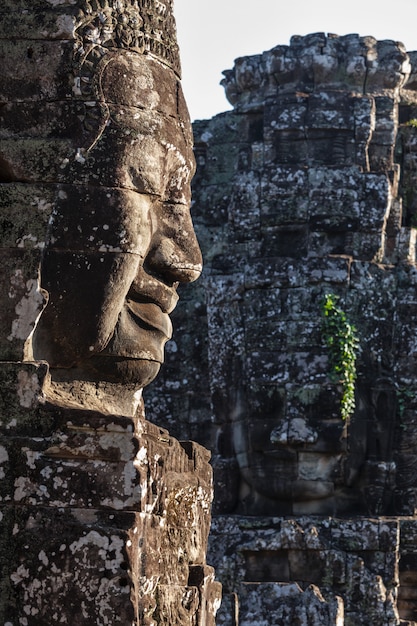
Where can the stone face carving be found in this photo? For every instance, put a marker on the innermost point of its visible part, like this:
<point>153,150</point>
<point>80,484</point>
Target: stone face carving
<point>311,181</point>
<point>321,194</point>
<point>124,277</point>
<point>105,517</point>
<point>117,161</point>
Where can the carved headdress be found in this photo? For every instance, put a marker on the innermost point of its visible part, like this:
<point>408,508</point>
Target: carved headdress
<point>103,27</point>
<point>143,26</point>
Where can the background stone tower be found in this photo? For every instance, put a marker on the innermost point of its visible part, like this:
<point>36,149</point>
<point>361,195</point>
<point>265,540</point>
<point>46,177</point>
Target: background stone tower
<point>306,190</point>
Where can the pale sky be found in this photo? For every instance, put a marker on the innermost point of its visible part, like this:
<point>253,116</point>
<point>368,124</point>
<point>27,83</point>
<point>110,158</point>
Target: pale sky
<point>212,33</point>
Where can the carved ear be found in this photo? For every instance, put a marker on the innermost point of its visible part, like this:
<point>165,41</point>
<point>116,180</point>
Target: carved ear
<point>87,88</point>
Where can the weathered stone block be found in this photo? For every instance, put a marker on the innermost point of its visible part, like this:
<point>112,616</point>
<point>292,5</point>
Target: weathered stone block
<point>77,566</point>
<point>37,160</point>
<point>25,212</point>
<point>286,603</point>
<point>244,211</point>
<point>56,120</point>
<point>48,24</point>
<point>22,301</point>
<point>290,241</point>
<point>44,70</point>
<point>284,113</point>
<point>330,110</point>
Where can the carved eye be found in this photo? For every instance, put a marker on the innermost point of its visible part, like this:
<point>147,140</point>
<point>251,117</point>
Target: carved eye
<point>177,186</point>
<point>177,183</point>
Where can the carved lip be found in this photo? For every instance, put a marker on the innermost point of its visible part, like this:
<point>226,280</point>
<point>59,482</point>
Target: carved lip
<point>152,315</point>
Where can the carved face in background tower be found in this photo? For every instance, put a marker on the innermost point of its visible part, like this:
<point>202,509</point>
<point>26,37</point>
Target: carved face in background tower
<point>121,238</point>
<point>291,455</point>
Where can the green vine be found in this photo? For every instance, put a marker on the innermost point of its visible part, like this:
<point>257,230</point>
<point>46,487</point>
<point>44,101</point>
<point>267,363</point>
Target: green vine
<point>342,342</point>
<point>412,123</point>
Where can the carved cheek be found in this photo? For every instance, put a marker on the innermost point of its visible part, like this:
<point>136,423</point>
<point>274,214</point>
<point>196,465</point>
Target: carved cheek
<point>142,166</point>
<point>101,219</point>
<point>87,291</point>
<point>97,242</point>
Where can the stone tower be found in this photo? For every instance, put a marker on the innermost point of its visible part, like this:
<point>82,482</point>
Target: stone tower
<point>306,191</point>
<point>104,516</point>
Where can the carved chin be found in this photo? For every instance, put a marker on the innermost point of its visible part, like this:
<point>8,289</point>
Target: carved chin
<point>297,491</point>
<point>133,355</point>
<point>128,372</point>
<point>135,339</point>
<point>139,372</point>
<point>278,479</point>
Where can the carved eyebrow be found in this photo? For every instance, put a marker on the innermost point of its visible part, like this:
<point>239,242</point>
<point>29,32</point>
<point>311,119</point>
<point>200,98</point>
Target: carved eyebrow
<point>157,114</point>
<point>172,148</point>
<point>181,169</point>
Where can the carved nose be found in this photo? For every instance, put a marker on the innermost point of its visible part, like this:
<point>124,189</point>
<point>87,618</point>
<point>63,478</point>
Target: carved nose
<point>293,431</point>
<point>174,254</point>
<point>173,263</point>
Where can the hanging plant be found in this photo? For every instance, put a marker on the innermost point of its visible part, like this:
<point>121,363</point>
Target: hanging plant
<point>342,342</point>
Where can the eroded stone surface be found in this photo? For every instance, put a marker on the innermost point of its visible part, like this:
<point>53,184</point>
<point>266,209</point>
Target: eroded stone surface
<point>102,516</point>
